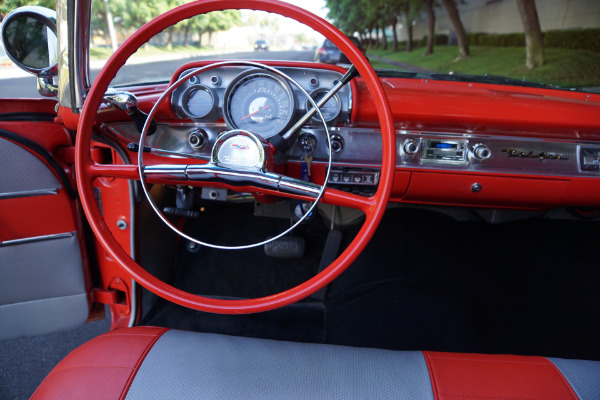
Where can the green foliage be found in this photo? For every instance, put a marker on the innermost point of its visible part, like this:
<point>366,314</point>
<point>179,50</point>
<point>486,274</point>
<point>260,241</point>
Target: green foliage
<point>581,39</point>
<point>440,40</point>
<point>499,40</point>
<point>131,15</point>
<point>563,67</point>
<point>584,39</point>
<point>7,6</point>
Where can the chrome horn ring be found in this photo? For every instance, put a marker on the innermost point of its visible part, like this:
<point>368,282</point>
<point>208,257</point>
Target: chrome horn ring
<point>218,167</point>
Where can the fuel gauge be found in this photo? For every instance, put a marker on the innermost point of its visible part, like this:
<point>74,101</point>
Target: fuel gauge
<point>199,101</point>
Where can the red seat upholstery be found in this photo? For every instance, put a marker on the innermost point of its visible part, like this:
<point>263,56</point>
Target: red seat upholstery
<point>157,363</point>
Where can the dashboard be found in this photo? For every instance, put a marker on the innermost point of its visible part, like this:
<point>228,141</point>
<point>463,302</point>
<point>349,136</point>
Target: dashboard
<point>262,101</point>
<point>518,166</point>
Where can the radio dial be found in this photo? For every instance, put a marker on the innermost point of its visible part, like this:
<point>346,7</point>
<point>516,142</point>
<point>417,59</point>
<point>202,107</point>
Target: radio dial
<point>410,147</point>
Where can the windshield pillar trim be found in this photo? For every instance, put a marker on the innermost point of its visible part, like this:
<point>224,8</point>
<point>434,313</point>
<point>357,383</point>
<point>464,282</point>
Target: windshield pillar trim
<point>73,24</point>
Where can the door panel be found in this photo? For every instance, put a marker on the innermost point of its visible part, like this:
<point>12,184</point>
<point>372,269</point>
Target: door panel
<point>42,280</point>
<point>41,286</point>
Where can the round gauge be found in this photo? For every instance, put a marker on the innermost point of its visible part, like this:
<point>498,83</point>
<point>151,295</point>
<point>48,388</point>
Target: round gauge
<point>198,101</point>
<point>260,103</point>
<point>330,110</point>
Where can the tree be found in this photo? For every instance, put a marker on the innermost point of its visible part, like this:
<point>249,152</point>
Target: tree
<point>430,26</point>
<point>461,34</point>
<point>411,10</point>
<point>534,40</point>
<point>223,20</point>
<point>7,6</point>
<point>110,25</point>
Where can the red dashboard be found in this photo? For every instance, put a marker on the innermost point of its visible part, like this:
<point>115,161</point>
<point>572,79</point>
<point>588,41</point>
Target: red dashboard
<point>458,143</point>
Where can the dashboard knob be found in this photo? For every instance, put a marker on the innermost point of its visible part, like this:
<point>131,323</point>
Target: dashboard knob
<point>481,151</point>
<point>410,147</point>
<point>197,138</point>
<point>337,143</point>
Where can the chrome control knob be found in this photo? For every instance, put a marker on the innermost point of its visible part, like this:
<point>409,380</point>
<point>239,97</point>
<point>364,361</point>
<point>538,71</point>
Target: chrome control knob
<point>410,147</point>
<point>481,151</point>
<point>337,143</point>
<point>197,138</point>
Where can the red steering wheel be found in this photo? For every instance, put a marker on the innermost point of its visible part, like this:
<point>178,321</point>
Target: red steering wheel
<point>87,170</point>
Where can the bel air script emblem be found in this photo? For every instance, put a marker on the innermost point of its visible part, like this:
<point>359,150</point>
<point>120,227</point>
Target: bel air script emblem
<point>541,156</point>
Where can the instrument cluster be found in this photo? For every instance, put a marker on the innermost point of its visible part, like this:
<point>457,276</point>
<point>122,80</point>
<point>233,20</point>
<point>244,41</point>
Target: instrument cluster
<point>259,100</point>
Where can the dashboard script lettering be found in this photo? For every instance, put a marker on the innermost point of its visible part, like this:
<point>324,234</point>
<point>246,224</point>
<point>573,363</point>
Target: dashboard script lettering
<point>531,154</point>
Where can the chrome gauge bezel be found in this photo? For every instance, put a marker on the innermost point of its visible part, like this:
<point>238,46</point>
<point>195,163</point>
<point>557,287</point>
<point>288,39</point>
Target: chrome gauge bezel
<point>338,102</point>
<point>247,76</point>
<point>185,97</point>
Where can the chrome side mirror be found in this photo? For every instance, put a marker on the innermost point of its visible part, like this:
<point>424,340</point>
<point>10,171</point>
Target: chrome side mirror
<point>30,41</point>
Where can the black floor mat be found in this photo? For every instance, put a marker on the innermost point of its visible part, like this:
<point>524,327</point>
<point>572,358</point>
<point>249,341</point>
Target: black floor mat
<point>423,282</point>
<point>300,322</point>
<point>243,273</point>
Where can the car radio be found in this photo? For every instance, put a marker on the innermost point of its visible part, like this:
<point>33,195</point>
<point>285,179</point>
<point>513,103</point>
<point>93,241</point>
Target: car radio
<point>444,151</point>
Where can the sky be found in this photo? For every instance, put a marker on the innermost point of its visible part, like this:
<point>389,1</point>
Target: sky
<point>291,27</point>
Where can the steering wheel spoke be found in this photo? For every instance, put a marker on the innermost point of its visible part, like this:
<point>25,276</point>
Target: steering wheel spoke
<point>255,181</point>
<point>340,198</point>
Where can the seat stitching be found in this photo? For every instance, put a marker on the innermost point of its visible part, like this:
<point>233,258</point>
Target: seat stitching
<point>88,366</point>
<point>473,396</point>
<point>141,359</point>
<point>431,375</point>
<point>124,334</point>
<point>564,380</point>
<point>491,361</point>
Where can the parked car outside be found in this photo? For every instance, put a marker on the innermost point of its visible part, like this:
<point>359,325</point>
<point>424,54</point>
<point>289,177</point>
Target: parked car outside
<point>261,45</point>
<point>328,52</point>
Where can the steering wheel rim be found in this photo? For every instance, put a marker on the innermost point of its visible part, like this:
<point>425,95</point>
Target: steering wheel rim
<point>374,207</point>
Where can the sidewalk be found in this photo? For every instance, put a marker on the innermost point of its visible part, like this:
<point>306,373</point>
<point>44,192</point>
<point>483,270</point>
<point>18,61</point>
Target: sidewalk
<point>9,70</point>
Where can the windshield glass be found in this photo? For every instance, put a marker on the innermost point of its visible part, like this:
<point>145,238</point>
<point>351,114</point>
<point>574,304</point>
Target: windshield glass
<point>227,35</point>
<point>501,41</point>
<point>555,44</point>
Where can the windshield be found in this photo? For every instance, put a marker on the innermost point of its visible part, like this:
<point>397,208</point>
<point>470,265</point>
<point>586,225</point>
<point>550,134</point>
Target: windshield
<point>500,41</point>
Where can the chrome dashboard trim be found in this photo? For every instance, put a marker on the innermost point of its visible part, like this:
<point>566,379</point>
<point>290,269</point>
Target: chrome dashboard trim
<point>362,148</point>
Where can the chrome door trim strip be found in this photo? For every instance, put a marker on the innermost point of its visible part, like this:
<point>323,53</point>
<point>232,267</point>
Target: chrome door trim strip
<point>34,239</point>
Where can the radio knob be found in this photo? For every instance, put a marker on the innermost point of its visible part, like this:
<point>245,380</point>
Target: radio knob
<point>481,151</point>
<point>410,147</point>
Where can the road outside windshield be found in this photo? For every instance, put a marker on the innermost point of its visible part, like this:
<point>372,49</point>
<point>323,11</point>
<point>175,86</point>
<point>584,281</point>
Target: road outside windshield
<point>518,41</point>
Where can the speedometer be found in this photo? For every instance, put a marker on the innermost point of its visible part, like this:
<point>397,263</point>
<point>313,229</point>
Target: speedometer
<point>259,102</point>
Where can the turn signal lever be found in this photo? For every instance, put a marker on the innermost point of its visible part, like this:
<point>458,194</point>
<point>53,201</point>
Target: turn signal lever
<point>126,101</point>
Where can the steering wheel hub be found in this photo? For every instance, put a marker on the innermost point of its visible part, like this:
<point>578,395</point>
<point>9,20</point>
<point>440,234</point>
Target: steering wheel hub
<point>239,149</point>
